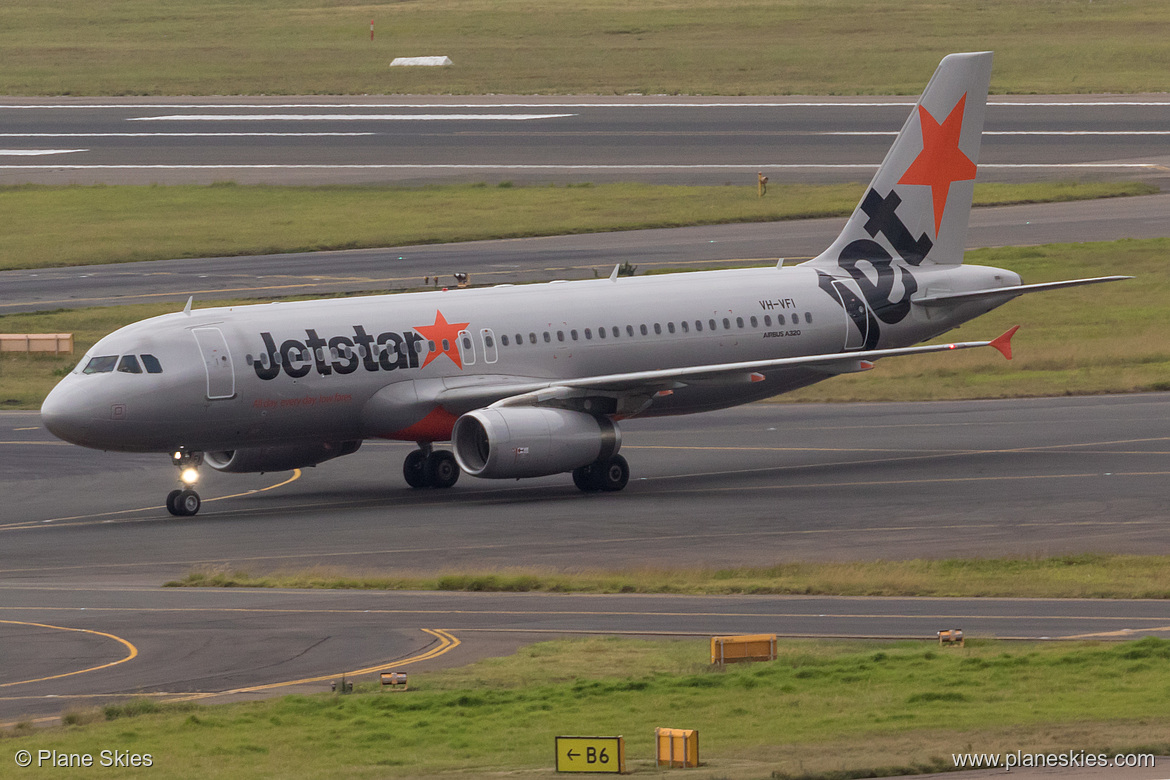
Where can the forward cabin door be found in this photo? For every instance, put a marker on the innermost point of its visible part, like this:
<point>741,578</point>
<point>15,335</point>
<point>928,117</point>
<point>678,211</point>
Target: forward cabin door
<point>217,362</point>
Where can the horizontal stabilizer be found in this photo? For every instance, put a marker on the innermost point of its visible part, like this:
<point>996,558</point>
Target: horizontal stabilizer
<point>1010,292</point>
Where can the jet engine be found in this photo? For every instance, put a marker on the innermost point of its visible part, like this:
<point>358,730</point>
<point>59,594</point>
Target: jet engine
<point>278,458</point>
<point>526,441</point>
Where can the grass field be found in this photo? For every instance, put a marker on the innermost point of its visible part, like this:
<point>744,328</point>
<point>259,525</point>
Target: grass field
<point>60,226</point>
<point>1066,576</point>
<point>820,708</point>
<point>731,47</point>
<point>1099,339</point>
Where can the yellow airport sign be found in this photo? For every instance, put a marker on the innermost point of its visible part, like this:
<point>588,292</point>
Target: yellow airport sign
<point>591,754</point>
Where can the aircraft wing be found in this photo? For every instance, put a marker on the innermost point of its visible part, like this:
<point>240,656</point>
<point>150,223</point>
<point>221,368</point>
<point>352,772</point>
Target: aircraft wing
<point>1009,292</point>
<point>535,393</point>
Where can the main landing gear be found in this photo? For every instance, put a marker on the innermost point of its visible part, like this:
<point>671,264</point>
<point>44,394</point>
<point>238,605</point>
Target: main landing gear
<point>603,476</point>
<point>426,467</point>
<point>184,501</point>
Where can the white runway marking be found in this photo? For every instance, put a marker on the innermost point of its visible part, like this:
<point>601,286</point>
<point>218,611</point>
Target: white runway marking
<point>36,152</point>
<point>178,135</point>
<point>630,104</point>
<point>343,117</point>
<point>456,167</point>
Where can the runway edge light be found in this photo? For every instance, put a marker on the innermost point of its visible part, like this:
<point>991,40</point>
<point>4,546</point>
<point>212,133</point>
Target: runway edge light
<point>591,754</point>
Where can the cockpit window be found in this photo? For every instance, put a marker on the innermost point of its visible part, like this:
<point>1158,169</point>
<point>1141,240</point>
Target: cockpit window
<point>100,365</point>
<point>129,365</point>
<point>152,364</point>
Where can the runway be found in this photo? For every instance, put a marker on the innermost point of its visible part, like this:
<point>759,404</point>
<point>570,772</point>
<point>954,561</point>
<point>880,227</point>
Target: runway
<point>86,542</point>
<point>541,259</point>
<point>531,139</point>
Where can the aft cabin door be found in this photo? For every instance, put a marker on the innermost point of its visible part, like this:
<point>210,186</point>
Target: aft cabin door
<point>856,313</point>
<point>217,362</point>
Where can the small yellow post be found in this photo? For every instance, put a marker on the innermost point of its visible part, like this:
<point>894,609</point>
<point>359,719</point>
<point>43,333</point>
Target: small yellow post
<point>677,747</point>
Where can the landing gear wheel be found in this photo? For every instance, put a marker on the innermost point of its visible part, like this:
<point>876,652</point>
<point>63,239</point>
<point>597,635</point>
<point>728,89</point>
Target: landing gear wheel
<point>585,478</point>
<point>174,494</point>
<point>609,476</point>
<point>187,503</point>
<point>414,470</point>
<point>614,475</point>
<point>441,469</point>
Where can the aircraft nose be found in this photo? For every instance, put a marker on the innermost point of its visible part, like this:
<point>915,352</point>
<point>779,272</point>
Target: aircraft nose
<point>65,413</point>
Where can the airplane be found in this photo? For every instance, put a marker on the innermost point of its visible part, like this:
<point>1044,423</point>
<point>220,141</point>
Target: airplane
<point>533,380</point>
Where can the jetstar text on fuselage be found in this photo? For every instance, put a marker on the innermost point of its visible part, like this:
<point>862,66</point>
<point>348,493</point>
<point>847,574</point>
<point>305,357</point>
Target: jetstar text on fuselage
<point>387,351</point>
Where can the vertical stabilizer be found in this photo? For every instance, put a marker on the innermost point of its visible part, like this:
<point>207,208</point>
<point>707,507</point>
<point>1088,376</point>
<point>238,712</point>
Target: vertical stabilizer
<point>917,207</point>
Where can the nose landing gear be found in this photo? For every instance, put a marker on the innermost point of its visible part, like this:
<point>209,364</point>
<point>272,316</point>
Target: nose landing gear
<point>184,501</point>
<point>427,467</point>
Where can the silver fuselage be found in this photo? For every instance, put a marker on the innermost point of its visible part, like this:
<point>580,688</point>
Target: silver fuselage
<point>246,376</point>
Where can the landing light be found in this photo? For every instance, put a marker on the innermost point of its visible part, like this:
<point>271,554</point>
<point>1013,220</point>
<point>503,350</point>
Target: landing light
<point>190,476</point>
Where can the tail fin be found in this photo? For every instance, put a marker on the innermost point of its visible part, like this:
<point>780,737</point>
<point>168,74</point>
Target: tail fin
<point>919,202</point>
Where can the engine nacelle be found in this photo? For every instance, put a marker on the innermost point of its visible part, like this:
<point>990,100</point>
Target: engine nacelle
<point>527,441</point>
<point>284,457</point>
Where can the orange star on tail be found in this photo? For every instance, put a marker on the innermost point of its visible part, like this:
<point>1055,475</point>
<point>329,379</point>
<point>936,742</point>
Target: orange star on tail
<point>941,162</point>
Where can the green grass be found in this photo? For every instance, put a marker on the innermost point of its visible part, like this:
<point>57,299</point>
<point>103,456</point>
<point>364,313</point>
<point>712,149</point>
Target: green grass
<point>1100,339</point>
<point>280,47</point>
<point>821,707</point>
<point>62,226</point>
<point>1066,576</point>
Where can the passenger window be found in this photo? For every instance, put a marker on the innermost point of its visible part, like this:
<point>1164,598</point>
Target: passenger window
<point>698,325</point>
<point>573,335</point>
<point>727,324</point>
<point>739,322</point>
<point>504,339</point>
<point>685,327</point>
<point>100,365</point>
<point>808,317</point>
<point>630,330</point>
<point>560,335</point>
<point>152,364</point>
<point>657,329</point>
<point>531,338</point>
<point>601,333</point>
<point>129,365</point>
<point>711,323</point>
<point>431,346</point>
<point>616,331</point>
<point>588,334</point>
<point>768,320</point>
<point>755,323</point>
<point>519,339</point>
<point>670,327</point>
<point>548,338</point>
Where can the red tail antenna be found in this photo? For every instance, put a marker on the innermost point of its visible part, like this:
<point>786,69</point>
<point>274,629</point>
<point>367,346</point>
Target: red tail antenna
<point>1004,342</point>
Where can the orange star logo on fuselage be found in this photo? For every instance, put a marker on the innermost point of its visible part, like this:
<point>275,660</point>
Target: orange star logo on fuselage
<point>445,336</point>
